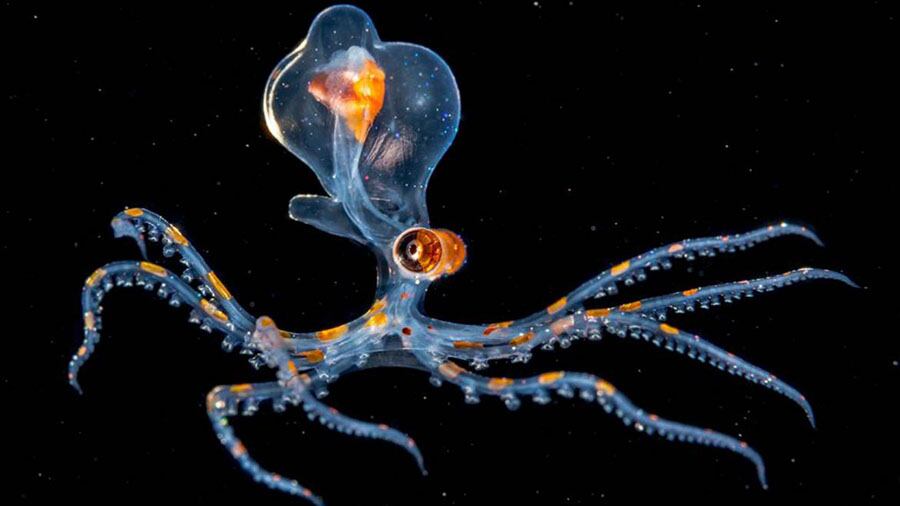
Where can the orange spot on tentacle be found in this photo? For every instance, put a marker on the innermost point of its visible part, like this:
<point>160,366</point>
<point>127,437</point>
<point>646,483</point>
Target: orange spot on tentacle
<point>630,306</point>
<point>332,333</point>
<point>377,306</point>
<point>619,269</point>
<point>675,248</point>
<point>218,286</point>
<point>176,236</point>
<point>692,291</point>
<point>243,387</point>
<point>467,344</point>
<point>353,91</point>
<point>496,326</point>
<point>213,311</point>
<point>82,351</point>
<point>557,306</point>
<point>153,269</point>
<point>450,370</point>
<point>134,212</point>
<point>562,325</point>
<point>522,339</point>
<point>668,329</point>
<point>550,377</point>
<point>605,388</point>
<point>499,383</point>
<point>313,356</point>
<point>597,313</point>
<point>377,320</point>
<point>89,321</point>
<point>238,449</point>
<point>94,277</point>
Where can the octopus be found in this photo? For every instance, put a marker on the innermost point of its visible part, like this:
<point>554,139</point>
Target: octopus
<point>372,119</point>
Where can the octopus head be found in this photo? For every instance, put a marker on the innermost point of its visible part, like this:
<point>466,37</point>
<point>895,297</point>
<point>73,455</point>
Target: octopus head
<point>370,118</point>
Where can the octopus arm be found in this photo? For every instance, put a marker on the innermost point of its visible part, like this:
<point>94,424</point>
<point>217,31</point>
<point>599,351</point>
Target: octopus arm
<point>708,296</point>
<point>589,388</point>
<point>636,268</point>
<point>225,401</point>
<point>277,354</point>
<point>151,277</point>
<point>696,347</point>
<point>142,224</point>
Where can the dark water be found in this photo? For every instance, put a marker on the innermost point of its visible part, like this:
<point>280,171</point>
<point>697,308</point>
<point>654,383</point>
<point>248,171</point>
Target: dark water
<point>589,134</point>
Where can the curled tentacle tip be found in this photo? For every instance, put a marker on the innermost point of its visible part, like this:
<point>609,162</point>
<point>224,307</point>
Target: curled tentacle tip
<point>74,384</point>
<point>807,408</point>
<point>850,282</point>
<point>419,461</point>
<point>761,474</point>
<point>809,234</point>
<point>123,228</point>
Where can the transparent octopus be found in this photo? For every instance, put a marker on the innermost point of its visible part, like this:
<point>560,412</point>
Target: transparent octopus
<point>372,119</point>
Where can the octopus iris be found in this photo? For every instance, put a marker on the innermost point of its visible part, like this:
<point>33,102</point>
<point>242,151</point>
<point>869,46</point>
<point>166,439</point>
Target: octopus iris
<point>372,119</point>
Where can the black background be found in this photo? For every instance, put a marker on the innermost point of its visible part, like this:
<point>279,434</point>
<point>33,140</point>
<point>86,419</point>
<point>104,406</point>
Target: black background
<point>589,133</point>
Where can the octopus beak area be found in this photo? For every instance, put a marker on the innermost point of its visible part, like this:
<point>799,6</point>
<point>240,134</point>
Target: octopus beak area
<point>424,253</point>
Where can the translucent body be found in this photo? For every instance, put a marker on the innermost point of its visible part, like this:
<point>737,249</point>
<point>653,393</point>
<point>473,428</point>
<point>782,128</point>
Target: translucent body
<point>372,119</point>
<point>377,168</point>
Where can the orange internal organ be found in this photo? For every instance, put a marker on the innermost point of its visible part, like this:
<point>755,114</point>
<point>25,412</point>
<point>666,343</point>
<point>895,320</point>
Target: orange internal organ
<point>354,94</point>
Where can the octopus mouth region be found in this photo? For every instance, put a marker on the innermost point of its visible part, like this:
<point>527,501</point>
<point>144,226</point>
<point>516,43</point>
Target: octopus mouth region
<point>336,101</point>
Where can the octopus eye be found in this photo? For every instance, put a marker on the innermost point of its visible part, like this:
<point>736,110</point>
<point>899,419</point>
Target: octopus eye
<point>429,252</point>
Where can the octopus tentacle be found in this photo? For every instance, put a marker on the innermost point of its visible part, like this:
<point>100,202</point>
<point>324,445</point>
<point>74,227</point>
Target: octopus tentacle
<point>714,295</point>
<point>141,224</point>
<point>150,276</point>
<point>333,419</point>
<point>267,338</point>
<point>694,346</point>
<point>588,387</point>
<point>224,401</point>
<point>635,269</point>
<point>514,339</point>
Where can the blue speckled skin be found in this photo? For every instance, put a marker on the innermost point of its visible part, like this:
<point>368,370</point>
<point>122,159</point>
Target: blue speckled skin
<point>375,180</point>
